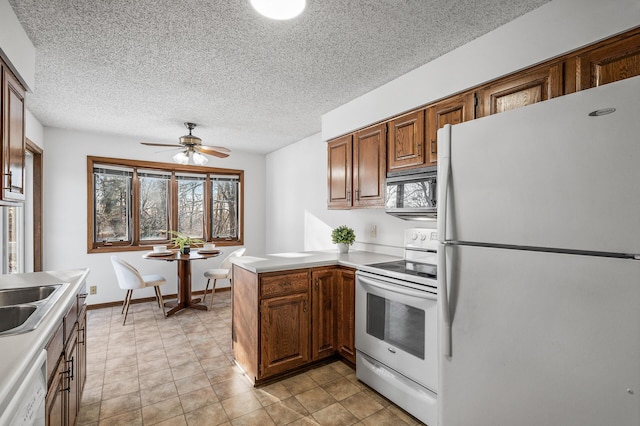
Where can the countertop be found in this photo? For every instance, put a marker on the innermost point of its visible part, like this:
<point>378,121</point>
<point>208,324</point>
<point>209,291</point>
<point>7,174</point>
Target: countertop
<point>309,259</point>
<point>18,352</point>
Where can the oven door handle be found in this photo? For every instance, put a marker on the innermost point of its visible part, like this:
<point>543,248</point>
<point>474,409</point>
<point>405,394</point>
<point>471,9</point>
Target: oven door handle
<point>397,288</point>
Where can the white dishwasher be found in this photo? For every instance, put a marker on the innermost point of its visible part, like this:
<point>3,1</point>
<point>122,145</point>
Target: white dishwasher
<point>27,405</point>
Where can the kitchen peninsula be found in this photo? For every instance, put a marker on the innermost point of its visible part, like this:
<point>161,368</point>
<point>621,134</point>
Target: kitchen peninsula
<point>293,310</point>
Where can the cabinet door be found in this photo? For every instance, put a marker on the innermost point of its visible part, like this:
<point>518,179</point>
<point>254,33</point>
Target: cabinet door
<point>405,148</point>
<point>71,359</point>
<point>82,351</point>
<point>346,306</point>
<point>339,174</point>
<point>454,110</point>
<point>56,397</point>
<point>284,324</point>
<point>526,88</point>
<point>369,166</point>
<point>323,319</point>
<point>608,63</point>
<point>13,139</point>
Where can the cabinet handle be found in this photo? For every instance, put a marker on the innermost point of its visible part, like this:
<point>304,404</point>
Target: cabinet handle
<point>82,342</point>
<point>82,295</point>
<point>348,194</point>
<point>357,194</point>
<point>304,306</point>
<point>71,369</point>
<point>433,146</point>
<point>317,283</point>
<point>8,180</point>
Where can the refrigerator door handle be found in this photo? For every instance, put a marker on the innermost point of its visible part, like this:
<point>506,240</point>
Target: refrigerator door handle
<point>444,300</point>
<point>444,167</point>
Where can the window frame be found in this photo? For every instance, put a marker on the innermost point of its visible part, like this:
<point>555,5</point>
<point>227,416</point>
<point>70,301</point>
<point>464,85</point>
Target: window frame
<point>136,244</point>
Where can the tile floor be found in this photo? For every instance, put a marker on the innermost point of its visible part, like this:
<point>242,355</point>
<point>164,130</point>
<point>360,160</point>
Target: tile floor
<point>179,371</point>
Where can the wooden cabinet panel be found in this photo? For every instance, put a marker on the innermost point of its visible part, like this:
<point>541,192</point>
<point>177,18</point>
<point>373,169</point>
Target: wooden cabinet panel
<point>56,395</point>
<point>454,110</point>
<point>284,323</point>
<point>281,284</point>
<point>369,166</point>
<point>13,137</point>
<point>323,318</point>
<point>346,305</point>
<point>405,147</point>
<point>609,62</point>
<point>339,173</point>
<point>526,88</point>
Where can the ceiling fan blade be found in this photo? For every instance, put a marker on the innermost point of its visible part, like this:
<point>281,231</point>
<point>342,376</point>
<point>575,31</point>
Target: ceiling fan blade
<point>210,150</point>
<point>217,148</point>
<point>159,144</point>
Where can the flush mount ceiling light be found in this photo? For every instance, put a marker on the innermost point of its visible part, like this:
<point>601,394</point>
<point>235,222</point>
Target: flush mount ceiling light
<point>279,9</point>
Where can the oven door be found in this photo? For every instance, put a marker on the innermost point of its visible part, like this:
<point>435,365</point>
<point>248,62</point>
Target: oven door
<point>397,326</point>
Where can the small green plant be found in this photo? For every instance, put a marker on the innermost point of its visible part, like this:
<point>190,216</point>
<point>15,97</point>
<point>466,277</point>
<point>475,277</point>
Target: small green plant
<point>181,240</point>
<point>343,235</point>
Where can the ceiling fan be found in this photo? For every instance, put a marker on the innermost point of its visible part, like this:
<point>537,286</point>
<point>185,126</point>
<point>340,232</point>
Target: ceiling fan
<point>193,148</point>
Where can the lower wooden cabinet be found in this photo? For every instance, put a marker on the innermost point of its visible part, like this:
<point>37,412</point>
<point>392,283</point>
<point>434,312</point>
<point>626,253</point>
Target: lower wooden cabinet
<point>66,365</point>
<point>283,321</point>
<point>345,310</point>
<point>323,320</point>
<point>284,335</point>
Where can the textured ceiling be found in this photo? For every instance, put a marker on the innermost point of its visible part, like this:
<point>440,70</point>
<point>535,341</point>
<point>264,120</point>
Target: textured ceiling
<point>142,68</point>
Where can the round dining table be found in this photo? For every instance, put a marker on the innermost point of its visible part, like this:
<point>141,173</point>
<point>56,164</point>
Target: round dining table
<point>184,277</point>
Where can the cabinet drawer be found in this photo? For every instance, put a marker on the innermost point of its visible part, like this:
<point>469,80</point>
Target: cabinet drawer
<point>277,285</point>
<point>70,321</point>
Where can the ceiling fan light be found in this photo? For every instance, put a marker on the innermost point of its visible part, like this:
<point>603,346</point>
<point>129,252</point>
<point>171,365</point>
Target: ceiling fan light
<point>279,9</point>
<point>181,158</point>
<point>199,159</point>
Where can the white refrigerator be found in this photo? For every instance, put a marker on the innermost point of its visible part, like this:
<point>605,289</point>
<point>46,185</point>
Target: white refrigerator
<point>538,270</point>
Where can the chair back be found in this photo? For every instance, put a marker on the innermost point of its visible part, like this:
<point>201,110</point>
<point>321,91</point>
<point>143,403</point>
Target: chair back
<point>128,277</point>
<point>226,263</point>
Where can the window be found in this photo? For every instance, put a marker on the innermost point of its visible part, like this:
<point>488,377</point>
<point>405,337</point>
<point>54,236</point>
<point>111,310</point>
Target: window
<point>133,204</point>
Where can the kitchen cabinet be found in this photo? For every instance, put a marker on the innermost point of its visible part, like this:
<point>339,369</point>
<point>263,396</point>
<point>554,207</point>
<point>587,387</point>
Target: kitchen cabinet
<point>13,136</point>
<point>323,319</point>
<point>524,88</point>
<point>339,175</point>
<point>357,169</point>
<point>454,110</point>
<point>609,61</point>
<point>66,364</point>
<point>405,145</point>
<point>287,320</point>
<point>345,310</point>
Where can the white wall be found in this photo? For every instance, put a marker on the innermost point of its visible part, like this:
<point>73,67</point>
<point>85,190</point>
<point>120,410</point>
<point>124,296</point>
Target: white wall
<point>16,47</point>
<point>33,129</point>
<point>551,30</point>
<point>65,210</point>
<point>297,214</point>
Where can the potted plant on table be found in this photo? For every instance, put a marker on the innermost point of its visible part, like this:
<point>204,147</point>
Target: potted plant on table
<point>184,242</point>
<point>344,237</point>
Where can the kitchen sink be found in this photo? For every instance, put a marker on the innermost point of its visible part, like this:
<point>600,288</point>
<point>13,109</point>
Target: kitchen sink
<point>23,309</point>
<point>19,296</point>
<point>14,316</point>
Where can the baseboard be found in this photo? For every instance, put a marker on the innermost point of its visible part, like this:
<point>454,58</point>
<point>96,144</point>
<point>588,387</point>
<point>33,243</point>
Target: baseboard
<point>148,299</point>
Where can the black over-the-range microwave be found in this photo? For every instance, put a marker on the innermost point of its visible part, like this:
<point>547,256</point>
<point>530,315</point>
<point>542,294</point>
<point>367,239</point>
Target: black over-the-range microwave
<point>412,194</point>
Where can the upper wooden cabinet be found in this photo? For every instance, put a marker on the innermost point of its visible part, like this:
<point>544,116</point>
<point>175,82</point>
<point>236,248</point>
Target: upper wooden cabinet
<point>369,166</point>
<point>13,136</point>
<point>524,88</point>
<point>405,148</point>
<point>339,172</point>
<point>454,110</point>
<point>609,62</point>
<point>357,169</point>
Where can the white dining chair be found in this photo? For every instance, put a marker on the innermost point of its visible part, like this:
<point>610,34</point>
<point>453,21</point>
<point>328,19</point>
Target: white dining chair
<point>221,273</point>
<point>130,279</point>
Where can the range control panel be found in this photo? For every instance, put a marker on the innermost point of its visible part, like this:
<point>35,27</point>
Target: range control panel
<point>421,238</point>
